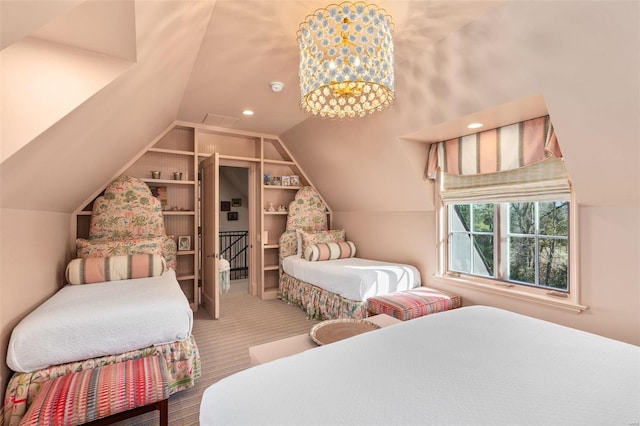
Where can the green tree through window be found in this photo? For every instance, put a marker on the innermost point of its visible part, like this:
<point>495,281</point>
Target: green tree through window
<point>533,247</point>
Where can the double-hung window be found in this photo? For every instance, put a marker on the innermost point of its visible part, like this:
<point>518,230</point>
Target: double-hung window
<point>524,243</point>
<point>508,231</point>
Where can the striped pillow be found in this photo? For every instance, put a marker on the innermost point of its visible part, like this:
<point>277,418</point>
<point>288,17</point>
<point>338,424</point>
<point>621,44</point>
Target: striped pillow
<point>113,268</point>
<point>330,251</point>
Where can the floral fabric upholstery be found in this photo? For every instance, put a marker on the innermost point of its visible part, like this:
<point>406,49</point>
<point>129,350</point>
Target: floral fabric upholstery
<point>127,210</point>
<point>307,211</point>
<point>311,238</point>
<point>127,219</point>
<point>164,246</point>
<point>288,243</point>
<point>182,362</point>
<point>318,303</point>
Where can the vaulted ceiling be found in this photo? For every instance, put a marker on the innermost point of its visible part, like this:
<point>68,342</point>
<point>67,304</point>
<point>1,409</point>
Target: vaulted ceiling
<point>88,84</point>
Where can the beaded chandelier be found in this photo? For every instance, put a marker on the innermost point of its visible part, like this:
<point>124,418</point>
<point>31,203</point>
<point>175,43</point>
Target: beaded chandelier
<point>346,61</point>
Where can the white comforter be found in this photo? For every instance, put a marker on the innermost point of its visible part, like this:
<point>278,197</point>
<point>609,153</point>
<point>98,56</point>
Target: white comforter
<point>92,320</point>
<point>353,278</point>
<point>468,366</point>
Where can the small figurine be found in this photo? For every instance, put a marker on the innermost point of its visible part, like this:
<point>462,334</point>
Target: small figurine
<point>271,208</point>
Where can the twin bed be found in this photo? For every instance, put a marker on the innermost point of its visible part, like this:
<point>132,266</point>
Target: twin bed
<point>124,303</point>
<point>318,270</point>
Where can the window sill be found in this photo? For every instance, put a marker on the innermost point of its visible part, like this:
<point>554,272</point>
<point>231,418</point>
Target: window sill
<point>486,286</point>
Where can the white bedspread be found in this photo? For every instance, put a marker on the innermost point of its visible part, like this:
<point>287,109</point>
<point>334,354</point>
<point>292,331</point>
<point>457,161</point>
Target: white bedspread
<point>353,278</point>
<point>468,366</point>
<point>86,321</point>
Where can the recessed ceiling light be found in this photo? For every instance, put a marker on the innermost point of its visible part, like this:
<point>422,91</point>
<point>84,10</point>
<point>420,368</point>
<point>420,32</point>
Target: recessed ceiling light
<point>475,125</point>
<point>247,112</point>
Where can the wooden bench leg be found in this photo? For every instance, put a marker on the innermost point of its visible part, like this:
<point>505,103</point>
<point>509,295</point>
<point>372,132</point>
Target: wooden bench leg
<point>163,407</point>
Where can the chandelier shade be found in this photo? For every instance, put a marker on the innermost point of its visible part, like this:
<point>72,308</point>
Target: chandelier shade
<point>346,61</point>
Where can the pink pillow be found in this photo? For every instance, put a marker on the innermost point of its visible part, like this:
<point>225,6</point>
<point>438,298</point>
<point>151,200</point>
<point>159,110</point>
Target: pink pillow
<point>310,238</point>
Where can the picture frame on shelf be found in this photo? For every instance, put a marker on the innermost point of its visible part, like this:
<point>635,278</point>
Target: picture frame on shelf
<point>160,192</point>
<point>275,180</point>
<point>184,243</point>
<point>236,202</point>
<point>294,180</point>
<point>286,180</point>
<point>232,215</point>
<point>225,206</point>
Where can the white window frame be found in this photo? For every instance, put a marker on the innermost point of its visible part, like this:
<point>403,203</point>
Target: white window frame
<point>568,301</point>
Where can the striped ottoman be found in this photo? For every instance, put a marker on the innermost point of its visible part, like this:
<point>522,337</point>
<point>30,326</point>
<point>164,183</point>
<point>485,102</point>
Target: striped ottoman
<point>414,303</point>
<point>103,395</point>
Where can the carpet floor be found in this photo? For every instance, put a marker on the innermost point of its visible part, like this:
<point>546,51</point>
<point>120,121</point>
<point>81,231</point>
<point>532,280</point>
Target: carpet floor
<point>224,344</point>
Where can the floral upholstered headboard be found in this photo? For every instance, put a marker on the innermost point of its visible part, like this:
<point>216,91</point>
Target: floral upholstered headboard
<point>307,212</point>
<point>127,219</point>
<point>127,210</point>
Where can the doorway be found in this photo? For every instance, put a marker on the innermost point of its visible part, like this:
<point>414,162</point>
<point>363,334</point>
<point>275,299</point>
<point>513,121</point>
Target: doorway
<point>233,234</point>
<point>228,221</point>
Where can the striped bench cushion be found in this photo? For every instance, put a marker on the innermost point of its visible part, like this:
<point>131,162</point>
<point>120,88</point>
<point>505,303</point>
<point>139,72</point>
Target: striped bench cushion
<point>85,396</point>
<point>414,303</point>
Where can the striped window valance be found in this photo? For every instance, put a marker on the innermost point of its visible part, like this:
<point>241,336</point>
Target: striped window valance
<point>505,148</point>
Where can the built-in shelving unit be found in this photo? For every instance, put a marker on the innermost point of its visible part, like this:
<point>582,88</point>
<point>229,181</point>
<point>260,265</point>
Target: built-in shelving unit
<point>182,148</point>
<point>173,152</point>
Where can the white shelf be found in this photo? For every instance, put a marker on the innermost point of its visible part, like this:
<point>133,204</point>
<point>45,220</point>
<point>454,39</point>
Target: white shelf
<point>275,213</point>
<point>232,157</point>
<point>168,181</point>
<point>280,162</point>
<point>178,212</point>
<point>171,151</point>
<point>271,246</point>
<point>281,187</point>
<point>271,267</point>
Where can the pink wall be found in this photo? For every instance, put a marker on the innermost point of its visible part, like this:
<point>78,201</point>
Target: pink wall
<point>34,251</point>
<point>373,181</point>
<point>407,233</point>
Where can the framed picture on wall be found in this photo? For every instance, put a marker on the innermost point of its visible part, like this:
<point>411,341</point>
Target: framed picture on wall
<point>232,216</point>
<point>184,243</point>
<point>236,202</point>
<point>225,206</point>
